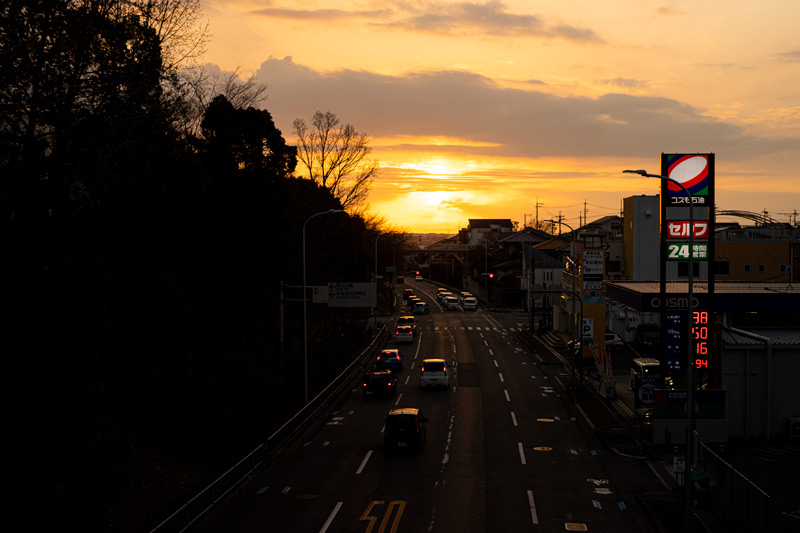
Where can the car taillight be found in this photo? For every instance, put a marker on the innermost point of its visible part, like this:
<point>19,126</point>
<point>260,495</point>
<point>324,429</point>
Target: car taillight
<point>364,385</point>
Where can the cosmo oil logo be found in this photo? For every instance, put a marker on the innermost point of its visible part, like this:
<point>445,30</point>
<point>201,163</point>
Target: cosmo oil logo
<point>691,171</point>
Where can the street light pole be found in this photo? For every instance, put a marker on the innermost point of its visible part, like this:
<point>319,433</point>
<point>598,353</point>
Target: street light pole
<point>305,320</point>
<point>375,281</point>
<point>574,322</point>
<point>690,345</point>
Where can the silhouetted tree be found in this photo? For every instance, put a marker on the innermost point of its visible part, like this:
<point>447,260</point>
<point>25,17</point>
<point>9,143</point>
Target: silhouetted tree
<point>246,139</point>
<point>336,157</point>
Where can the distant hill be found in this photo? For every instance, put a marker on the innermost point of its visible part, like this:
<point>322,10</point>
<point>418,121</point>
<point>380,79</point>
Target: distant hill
<point>423,240</point>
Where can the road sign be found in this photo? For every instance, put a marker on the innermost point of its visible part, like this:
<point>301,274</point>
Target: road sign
<point>351,295</point>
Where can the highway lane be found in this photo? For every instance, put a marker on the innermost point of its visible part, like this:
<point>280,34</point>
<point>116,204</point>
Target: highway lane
<point>505,450</point>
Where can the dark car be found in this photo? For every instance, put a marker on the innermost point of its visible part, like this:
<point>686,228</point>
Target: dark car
<point>405,428</point>
<point>407,293</point>
<point>380,383</point>
<point>421,308</point>
<point>400,280</point>
<point>408,320</point>
<point>390,360</point>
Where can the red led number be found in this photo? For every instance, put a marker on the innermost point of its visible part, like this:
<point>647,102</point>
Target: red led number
<point>701,363</point>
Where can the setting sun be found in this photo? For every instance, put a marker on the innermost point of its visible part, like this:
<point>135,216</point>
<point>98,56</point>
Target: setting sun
<point>508,109</point>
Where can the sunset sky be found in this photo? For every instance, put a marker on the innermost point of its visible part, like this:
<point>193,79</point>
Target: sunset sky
<point>492,109</point>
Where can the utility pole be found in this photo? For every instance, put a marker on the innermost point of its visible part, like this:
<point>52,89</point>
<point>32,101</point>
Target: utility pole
<point>537,212</point>
<point>585,213</point>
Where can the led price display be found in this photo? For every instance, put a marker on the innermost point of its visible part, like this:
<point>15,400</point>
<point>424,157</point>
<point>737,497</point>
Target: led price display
<point>700,339</point>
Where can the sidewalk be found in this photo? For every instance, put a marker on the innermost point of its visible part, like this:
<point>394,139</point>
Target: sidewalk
<point>613,422</point>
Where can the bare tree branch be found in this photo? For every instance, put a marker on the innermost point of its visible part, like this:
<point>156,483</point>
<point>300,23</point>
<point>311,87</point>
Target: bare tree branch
<point>336,157</point>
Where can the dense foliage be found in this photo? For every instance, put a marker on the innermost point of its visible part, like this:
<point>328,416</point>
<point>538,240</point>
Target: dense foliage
<point>142,271</point>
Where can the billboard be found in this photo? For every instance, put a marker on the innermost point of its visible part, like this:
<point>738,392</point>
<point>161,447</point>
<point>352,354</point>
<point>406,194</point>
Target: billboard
<point>687,236</point>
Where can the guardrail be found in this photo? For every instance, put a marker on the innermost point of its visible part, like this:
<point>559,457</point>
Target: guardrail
<point>738,502</point>
<point>212,496</point>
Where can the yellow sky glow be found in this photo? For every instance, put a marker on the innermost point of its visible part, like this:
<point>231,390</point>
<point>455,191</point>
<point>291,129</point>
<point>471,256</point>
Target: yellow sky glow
<point>502,109</point>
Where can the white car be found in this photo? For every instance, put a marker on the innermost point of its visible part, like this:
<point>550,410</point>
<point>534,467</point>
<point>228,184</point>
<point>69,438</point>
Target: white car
<point>433,373</point>
<point>470,303</point>
<point>403,334</point>
<point>419,278</point>
<point>452,303</point>
<point>613,341</point>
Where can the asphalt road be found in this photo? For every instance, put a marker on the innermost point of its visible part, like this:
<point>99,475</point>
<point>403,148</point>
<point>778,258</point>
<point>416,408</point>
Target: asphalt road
<point>507,450</point>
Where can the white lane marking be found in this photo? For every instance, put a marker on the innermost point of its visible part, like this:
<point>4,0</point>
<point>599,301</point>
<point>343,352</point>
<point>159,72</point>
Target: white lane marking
<point>507,397</point>
<point>407,378</point>
<point>398,398</point>
<point>513,418</point>
<point>521,453</point>
<point>501,377</point>
<point>495,364</point>
<point>327,523</point>
<point>364,462</point>
<point>534,516</point>
<point>416,352</point>
<point>491,352</point>
<point>485,342</point>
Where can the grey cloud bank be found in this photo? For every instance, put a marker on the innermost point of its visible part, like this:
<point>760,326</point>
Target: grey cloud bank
<point>519,123</point>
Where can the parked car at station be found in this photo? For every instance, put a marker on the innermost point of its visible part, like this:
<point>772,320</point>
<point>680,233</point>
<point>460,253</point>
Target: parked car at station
<point>614,341</point>
<point>405,429</point>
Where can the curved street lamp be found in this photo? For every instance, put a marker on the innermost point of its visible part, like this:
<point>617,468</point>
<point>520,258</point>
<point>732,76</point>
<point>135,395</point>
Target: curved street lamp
<point>305,324</point>
<point>574,321</point>
<point>690,343</point>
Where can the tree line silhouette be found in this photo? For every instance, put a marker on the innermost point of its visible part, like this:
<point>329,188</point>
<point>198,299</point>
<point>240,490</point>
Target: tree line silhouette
<point>141,270</point>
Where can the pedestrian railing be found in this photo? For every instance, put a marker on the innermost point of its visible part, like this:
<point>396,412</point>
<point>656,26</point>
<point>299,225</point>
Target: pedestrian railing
<point>736,501</point>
